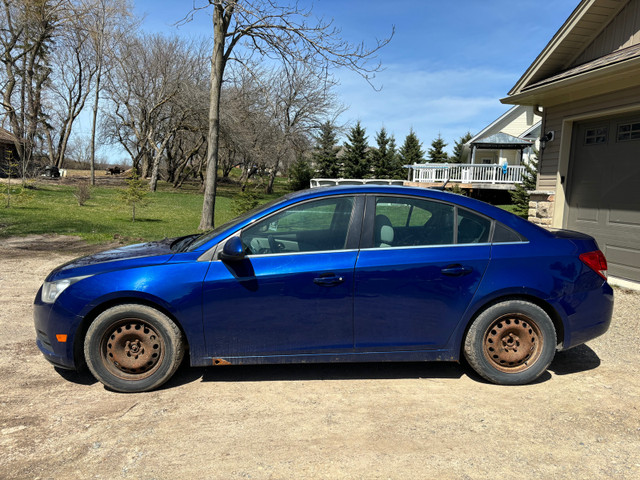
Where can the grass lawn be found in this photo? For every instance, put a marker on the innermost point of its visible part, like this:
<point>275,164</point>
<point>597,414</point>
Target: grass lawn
<point>52,208</point>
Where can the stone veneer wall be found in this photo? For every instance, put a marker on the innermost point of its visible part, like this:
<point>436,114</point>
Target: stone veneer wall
<point>541,205</point>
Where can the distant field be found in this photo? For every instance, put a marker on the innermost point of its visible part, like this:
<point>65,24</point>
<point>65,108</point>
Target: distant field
<point>50,207</point>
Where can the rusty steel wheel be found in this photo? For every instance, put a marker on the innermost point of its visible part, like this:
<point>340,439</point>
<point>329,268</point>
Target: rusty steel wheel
<point>133,348</point>
<point>511,342</point>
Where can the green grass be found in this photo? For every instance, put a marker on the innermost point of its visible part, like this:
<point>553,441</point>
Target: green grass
<point>169,212</point>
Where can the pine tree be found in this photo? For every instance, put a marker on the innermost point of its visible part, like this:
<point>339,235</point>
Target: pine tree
<point>324,156</point>
<point>397,170</point>
<point>383,157</point>
<point>458,148</point>
<point>520,196</point>
<point>356,158</point>
<point>135,194</point>
<point>411,152</point>
<point>300,175</point>
<point>436,152</point>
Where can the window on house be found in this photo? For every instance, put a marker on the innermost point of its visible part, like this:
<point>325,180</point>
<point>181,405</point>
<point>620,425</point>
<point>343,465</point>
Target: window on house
<point>595,136</point>
<point>628,131</point>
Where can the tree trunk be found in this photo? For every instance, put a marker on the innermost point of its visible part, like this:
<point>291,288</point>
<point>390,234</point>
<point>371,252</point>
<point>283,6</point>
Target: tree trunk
<point>207,221</point>
<point>93,124</point>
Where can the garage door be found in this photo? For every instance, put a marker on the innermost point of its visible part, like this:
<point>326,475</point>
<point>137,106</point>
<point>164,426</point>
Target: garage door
<point>604,190</point>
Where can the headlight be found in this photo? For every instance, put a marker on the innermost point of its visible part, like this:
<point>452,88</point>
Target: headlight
<point>52,290</point>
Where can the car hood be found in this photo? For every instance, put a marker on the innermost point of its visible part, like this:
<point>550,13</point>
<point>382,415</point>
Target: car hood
<point>130,256</point>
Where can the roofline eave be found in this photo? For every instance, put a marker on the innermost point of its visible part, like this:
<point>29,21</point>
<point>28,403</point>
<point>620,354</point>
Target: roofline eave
<point>588,84</point>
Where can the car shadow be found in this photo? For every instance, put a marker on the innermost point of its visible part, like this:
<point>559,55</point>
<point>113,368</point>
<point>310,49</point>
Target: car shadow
<point>575,360</point>
<point>305,372</point>
<point>82,377</point>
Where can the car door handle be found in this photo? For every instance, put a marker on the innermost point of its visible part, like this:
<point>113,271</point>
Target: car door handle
<point>456,270</point>
<point>328,280</point>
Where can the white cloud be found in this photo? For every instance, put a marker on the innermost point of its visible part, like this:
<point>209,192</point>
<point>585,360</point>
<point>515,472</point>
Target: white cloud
<point>448,101</point>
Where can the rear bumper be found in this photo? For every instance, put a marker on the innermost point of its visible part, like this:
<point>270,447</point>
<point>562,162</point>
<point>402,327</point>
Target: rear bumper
<point>591,319</point>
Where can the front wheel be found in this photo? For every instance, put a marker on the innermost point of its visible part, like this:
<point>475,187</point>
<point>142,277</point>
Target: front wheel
<point>133,348</point>
<point>511,343</point>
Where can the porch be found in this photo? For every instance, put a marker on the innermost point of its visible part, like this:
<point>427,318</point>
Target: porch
<point>498,177</point>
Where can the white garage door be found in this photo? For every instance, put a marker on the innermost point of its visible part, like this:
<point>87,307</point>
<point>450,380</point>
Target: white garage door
<point>604,189</point>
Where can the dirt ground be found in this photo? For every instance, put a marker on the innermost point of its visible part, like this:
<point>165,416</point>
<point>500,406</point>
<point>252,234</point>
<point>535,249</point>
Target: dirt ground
<point>398,421</point>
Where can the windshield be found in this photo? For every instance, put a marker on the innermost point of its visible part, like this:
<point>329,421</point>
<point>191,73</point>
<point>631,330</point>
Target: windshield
<point>198,241</point>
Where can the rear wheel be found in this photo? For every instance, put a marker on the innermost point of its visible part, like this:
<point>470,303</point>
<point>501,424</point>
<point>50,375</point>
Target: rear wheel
<point>133,348</point>
<point>511,343</point>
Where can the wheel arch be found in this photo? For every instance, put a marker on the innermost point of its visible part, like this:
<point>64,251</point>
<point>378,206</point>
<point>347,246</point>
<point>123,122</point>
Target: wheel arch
<point>92,314</point>
<point>555,317</point>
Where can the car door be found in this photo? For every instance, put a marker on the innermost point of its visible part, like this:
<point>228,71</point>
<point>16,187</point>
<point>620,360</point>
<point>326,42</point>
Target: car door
<point>293,292</point>
<point>422,263</point>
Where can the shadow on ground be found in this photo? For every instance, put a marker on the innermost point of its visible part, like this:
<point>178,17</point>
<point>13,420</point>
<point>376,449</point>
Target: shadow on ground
<point>578,359</point>
<point>306,372</point>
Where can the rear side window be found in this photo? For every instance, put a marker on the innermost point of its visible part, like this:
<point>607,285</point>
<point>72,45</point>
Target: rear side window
<point>503,234</point>
<point>405,221</point>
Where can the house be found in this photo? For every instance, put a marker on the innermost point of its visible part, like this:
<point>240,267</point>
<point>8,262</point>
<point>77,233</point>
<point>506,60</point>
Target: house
<point>493,159</point>
<point>586,84</point>
<point>510,139</point>
<point>8,152</point>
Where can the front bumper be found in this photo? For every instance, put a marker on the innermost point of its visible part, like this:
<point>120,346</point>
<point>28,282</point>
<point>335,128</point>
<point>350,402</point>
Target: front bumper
<point>55,332</point>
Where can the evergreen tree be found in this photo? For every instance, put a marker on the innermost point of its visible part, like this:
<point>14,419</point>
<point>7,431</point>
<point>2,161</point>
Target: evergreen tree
<point>436,152</point>
<point>356,159</point>
<point>324,156</point>
<point>383,157</point>
<point>458,148</point>
<point>300,175</point>
<point>411,152</point>
<point>135,193</point>
<point>397,172</point>
<point>520,196</point>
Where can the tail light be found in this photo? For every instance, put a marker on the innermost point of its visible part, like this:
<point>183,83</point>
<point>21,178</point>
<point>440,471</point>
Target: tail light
<point>596,261</point>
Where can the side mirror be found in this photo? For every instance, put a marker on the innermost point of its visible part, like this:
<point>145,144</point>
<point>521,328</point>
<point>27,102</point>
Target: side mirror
<point>233,250</point>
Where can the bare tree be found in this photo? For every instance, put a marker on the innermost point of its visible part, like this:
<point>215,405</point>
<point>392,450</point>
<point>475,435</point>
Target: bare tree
<point>301,99</point>
<point>70,85</point>
<point>150,98</point>
<point>28,32</point>
<point>106,22</point>
<point>282,32</point>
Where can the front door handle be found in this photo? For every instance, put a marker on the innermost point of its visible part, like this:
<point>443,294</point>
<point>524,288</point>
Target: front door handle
<point>328,280</point>
<point>456,270</point>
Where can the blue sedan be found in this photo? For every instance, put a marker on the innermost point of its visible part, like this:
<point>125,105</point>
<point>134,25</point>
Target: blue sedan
<point>340,274</point>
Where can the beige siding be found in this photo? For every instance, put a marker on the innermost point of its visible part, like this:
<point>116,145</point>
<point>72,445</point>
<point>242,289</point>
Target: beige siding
<point>622,32</point>
<point>521,123</point>
<point>593,107</point>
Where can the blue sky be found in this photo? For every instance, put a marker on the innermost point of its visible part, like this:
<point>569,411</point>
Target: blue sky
<point>446,68</point>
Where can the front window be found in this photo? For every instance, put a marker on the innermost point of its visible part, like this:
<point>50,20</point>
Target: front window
<point>317,225</point>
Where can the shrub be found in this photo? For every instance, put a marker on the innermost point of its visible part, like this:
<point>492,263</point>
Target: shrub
<point>82,193</point>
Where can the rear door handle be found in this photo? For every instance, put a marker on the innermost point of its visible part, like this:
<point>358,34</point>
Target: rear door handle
<point>456,270</point>
<point>328,280</point>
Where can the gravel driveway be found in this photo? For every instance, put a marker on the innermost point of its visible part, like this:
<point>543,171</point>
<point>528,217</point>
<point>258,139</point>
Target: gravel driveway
<point>404,421</point>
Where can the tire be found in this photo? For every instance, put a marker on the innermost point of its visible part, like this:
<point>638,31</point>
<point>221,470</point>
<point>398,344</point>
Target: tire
<point>511,343</point>
<point>133,348</point>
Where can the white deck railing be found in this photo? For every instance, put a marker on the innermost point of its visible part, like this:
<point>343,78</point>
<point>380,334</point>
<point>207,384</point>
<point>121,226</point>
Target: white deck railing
<point>466,173</point>
<point>326,182</point>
